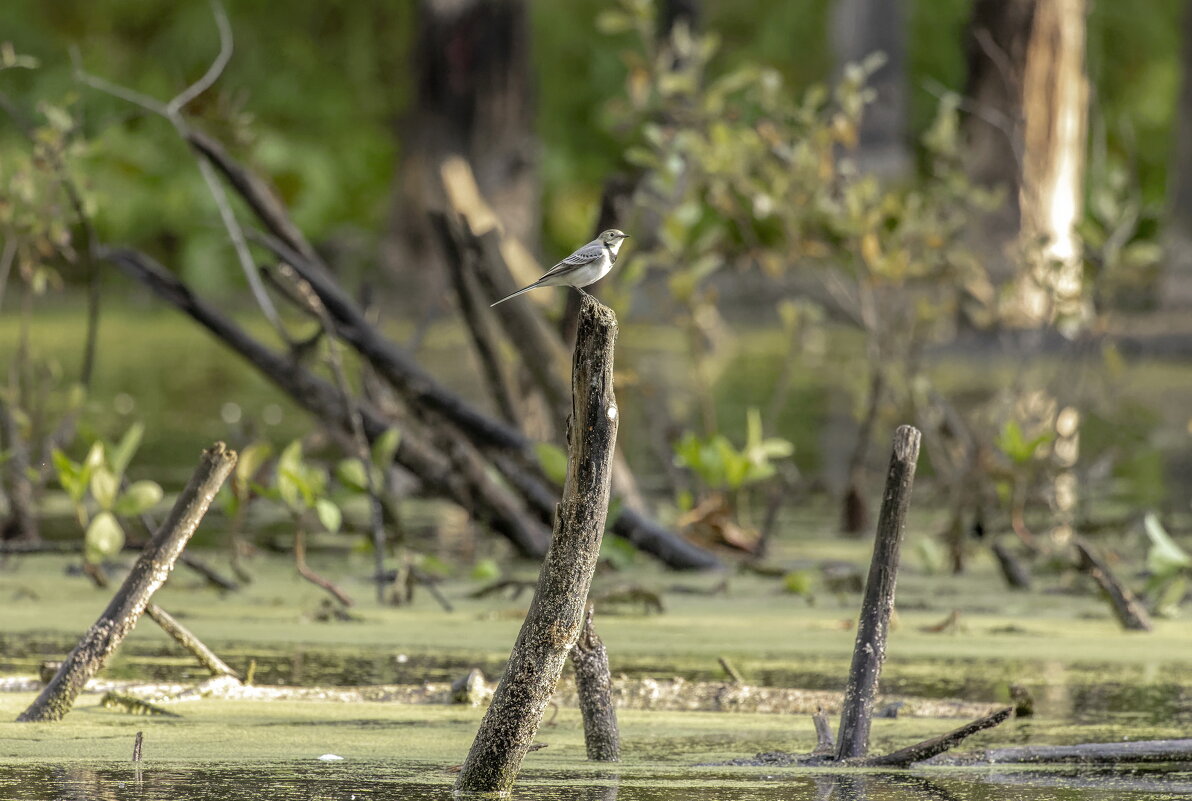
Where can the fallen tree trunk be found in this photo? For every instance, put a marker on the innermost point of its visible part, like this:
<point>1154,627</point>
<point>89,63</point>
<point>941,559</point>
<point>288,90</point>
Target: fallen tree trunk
<point>146,576</point>
<point>556,614</point>
<point>457,473</point>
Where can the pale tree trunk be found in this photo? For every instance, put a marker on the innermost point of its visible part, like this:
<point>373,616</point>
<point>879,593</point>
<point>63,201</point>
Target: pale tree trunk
<point>1175,289</point>
<point>860,28</point>
<point>1051,195</point>
<point>473,98</point>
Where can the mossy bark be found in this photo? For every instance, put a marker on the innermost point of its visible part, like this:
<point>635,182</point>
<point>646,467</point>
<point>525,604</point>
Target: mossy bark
<point>148,574</point>
<point>556,614</point>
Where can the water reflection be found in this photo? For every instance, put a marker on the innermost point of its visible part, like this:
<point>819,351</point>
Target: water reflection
<point>394,780</point>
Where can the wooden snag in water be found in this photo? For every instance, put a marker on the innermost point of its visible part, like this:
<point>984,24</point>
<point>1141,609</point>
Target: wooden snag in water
<point>556,614</point>
<point>187,639</point>
<point>870,649</point>
<point>136,746</point>
<point>904,757</point>
<point>148,574</point>
<point>1130,613</point>
<point>594,685</point>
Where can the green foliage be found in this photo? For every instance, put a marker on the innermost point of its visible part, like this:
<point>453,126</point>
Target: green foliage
<point>721,465</point>
<point>94,488</point>
<point>485,570</point>
<point>1017,448</point>
<point>800,582</point>
<point>1169,566</point>
<point>302,486</point>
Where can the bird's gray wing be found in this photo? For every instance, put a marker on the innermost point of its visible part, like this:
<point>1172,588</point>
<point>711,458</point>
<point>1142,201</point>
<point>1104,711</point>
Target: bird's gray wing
<point>586,255</point>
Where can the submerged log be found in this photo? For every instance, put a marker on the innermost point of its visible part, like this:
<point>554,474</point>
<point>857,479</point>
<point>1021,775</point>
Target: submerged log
<point>594,686</point>
<point>1093,753</point>
<point>556,614</point>
<point>147,575</point>
<point>870,649</point>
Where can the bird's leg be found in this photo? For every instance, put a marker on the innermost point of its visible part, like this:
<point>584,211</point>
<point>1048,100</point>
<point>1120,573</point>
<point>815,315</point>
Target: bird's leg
<point>580,289</point>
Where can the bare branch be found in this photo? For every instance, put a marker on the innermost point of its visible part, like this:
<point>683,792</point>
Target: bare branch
<point>226,46</point>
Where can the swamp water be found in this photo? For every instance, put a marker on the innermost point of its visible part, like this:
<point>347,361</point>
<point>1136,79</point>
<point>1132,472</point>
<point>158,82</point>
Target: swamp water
<point>1091,682</point>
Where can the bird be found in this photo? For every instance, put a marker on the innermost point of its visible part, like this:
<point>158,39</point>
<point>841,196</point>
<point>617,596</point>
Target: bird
<point>585,266</point>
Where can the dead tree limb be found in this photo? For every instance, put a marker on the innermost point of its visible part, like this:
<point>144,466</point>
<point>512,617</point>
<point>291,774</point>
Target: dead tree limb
<point>186,638</point>
<point>1093,753</point>
<point>594,685</point>
<point>556,614</point>
<point>480,325</point>
<point>1130,613</point>
<point>904,757</point>
<point>465,480</point>
<point>146,576</point>
<point>418,387</point>
<point>870,649</point>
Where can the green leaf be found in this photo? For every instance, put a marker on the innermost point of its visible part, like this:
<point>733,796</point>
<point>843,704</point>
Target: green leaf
<point>799,582</point>
<point>384,448</point>
<point>141,496</point>
<point>95,456</point>
<point>69,475</point>
<point>103,539</point>
<point>1164,558</point>
<point>121,454</point>
<point>290,483</point>
<point>105,485</point>
<point>252,458</point>
<point>553,461</point>
<point>486,570</point>
<point>329,514</point>
<point>351,473</point>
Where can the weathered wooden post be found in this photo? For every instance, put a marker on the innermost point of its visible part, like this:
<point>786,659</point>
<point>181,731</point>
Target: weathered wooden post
<point>593,683</point>
<point>147,575</point>
<point>556,615</point>
<point>873,627</point>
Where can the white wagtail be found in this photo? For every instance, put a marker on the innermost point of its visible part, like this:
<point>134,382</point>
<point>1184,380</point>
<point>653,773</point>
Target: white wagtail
<point>585,266</point>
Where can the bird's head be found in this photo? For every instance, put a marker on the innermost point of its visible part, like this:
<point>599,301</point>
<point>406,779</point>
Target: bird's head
<point>612,238</point>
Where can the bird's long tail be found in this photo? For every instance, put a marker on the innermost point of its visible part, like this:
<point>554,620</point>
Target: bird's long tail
<point>534,285</point>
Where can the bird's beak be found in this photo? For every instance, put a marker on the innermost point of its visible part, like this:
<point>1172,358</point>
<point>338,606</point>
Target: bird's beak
<point>624,236</point>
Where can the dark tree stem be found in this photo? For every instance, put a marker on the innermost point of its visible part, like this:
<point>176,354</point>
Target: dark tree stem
<point>22,501</point>
<point>148,574</point>
<point>556,614</point>
<point>593,682</point>
<point>873,627</point>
